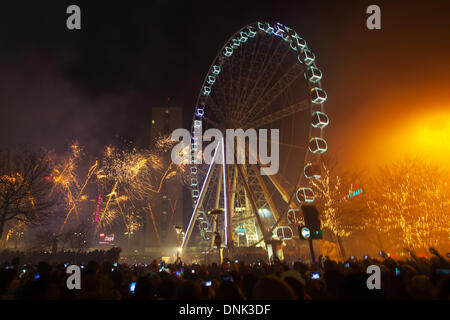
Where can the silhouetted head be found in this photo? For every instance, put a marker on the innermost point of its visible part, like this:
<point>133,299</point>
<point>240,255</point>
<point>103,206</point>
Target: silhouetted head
<point>229,291</point>
<point>144,289</point>
<point>272,288</point>
<point>297,286</point>
<point>188,290</point>
<point>354,286</point>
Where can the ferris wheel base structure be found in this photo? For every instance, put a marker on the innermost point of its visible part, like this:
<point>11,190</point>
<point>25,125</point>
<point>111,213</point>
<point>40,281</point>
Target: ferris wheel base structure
<point>236,254</point>
<point>264,77</point>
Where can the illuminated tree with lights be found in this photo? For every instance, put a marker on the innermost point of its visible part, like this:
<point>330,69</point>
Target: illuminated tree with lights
<point>339,211</point>
<point>410,202</point>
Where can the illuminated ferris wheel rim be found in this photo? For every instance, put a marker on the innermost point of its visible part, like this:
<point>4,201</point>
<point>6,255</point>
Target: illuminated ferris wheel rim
<point>318,118</point>
<point>255,29</point>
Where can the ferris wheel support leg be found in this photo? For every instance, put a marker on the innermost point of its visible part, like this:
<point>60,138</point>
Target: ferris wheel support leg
<point>272,179</point>
<point>266,192</point>
<point>279,188</point>
<point>227,200</point>
<point>267,237</point>
<point>233,192</point>
<point>200,200</point>
<point>229,210</point>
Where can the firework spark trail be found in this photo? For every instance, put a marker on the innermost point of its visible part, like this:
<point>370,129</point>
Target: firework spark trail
<point>154,223</point>
<point>110,195</point>
<point>80,194</point>
<point>173,206</point>
<point>15,228</point>
<point>121,211</point>
<point>165,176</point>
<point>135,175</point>
<point>65,180</point>
<point>8,235</point>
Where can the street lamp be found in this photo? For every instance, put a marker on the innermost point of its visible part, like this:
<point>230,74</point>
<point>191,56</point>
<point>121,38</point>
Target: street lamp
<point>178,229</point>
<point>128,234</point>
<point>218,239</point>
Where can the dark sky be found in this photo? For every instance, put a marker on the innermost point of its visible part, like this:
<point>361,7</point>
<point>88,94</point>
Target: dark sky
<point>99,84</point>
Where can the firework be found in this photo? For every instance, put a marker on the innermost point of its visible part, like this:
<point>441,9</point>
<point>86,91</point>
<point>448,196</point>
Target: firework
<point>132,176</point>
<point>127,178</point>
<point>67,182</point>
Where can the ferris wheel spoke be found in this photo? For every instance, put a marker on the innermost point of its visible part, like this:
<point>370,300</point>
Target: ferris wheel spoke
<point>262,61</point>
<point>283,113</point>
<point>233,72</point>
<point>238,81</point>
<point>281,86</point>
<point>284,144</point>
<point>214,124</point>
<point>218,112</point>
<point>266,76</point>
<point>231,91</point>
<point>251,52</point>
<point>242,73</point>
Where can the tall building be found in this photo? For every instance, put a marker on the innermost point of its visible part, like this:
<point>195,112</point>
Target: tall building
<point>167,206</point>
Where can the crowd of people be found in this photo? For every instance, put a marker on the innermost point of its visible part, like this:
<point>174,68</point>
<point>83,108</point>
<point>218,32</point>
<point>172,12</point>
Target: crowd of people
<point>412,278</point>
<point>13,257</point>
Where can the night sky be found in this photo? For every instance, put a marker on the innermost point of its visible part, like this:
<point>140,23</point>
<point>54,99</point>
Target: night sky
<point>98,85</point>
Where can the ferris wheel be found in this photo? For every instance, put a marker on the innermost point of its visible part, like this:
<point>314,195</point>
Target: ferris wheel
<point>264,77</point>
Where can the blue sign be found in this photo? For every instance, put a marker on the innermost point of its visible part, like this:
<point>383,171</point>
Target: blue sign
<point>359,191</point>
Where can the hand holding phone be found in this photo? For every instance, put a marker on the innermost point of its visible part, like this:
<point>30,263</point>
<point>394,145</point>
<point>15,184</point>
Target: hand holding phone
<point>132,287</point>
<point>207,283</point>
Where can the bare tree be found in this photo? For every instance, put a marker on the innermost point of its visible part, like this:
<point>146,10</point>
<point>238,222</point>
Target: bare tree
<point>25,188</point>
